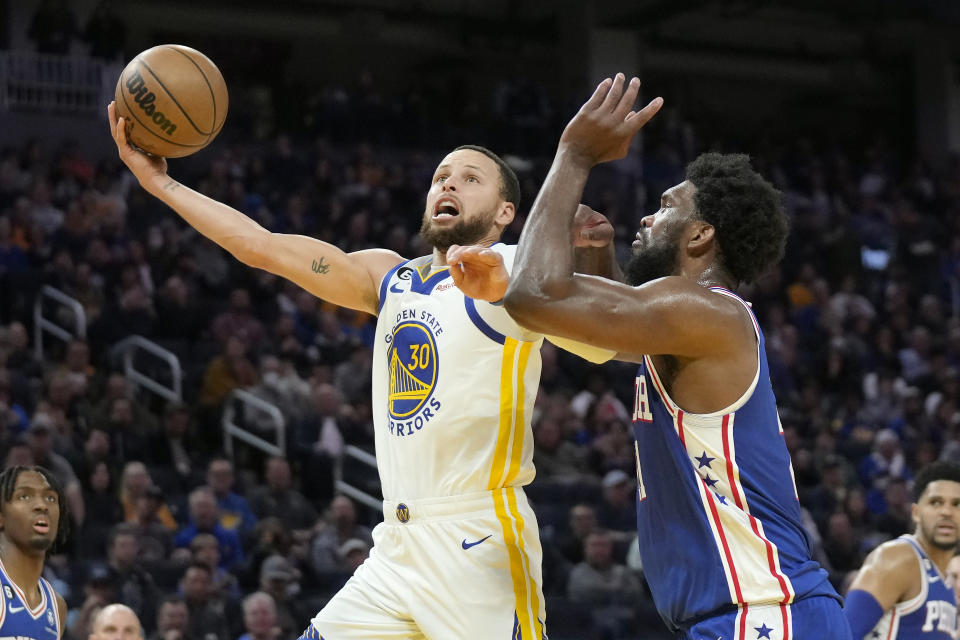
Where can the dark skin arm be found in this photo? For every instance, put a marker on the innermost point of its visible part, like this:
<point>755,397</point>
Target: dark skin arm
<point>62,610</point>
<point>704,333</point>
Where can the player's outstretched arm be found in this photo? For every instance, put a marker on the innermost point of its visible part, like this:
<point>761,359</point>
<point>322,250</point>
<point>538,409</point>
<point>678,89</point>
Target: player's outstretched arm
<point>889,575</point>
<point>349,280</point>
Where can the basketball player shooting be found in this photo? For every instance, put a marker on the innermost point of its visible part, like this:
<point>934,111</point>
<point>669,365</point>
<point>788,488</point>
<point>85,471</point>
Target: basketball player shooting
<point>33,520</point>
<point>903,591</point>
<point>718,519</point>
<point>454,382</point>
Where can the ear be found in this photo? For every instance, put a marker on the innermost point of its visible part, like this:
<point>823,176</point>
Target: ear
<point>915,513</point>
<point>505,216</point>
<point>700,237</point>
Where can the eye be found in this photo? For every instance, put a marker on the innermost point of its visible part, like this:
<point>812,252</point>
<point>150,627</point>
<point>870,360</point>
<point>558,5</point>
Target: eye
<point>439,179</point>
<point>51,498</point>
<point>472,179</point>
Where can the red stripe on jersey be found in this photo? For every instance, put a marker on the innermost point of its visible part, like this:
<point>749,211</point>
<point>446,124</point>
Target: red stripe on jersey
<point>716,520</point>
<point>656,383</point>
<point>735,489</point>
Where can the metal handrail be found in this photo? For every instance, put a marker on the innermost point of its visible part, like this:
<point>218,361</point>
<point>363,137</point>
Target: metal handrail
<point>41,324</point>
<point>233,430</point>
<point>348,489</point>
<point>130,345</point>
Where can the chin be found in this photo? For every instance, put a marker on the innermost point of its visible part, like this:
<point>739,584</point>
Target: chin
<point>41,543</point>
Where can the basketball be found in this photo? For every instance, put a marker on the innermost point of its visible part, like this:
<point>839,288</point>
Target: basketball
<point>173,99</point>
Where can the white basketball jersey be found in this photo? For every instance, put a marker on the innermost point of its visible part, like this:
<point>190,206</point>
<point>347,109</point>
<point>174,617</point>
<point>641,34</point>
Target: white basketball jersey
<point>454,382</point>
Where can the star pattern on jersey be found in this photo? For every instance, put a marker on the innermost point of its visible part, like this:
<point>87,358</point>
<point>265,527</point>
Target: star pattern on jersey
<point>710,482</point>
<point>875,634</point>
<point>704,460</point>
<point>763,631</point>
<point>722,499</point>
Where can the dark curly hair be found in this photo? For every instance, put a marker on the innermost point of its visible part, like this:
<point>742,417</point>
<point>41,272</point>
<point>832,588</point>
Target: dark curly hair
<point>509,184</point>
<point>8,482</point>
<point>931,473</point>
<point>745,210</point>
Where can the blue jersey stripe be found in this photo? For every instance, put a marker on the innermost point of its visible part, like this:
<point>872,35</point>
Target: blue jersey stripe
<point>480,323</point>
<point>385,283</point>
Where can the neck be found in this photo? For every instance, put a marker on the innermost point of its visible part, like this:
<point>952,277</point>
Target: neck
<point>440,255</point>
<point>23,567</point>
<point>939,557</point>
<point>714,276</point>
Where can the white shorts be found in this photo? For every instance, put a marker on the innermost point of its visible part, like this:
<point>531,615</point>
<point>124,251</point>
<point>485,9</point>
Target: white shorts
<point>462,567</point>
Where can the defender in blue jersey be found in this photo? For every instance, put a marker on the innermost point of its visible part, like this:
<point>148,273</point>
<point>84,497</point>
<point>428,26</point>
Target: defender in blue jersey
<point>904,591</point>
<point>32,521</point>
<point>719,525</point>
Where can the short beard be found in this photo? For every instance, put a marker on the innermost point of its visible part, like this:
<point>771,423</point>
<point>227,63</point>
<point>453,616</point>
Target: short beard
<point>943,546</point>
<point>462,233</point>
<point>651,263</point>
<point>41,544</point>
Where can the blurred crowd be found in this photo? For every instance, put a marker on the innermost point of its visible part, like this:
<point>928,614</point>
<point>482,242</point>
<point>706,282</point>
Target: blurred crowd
<point>861,324</point>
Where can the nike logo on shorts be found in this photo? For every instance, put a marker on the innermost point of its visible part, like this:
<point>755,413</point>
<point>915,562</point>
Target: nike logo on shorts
<point>467,545</point>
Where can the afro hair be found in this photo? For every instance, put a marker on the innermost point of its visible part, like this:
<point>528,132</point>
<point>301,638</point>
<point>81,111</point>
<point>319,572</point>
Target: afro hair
<point>745,210</point>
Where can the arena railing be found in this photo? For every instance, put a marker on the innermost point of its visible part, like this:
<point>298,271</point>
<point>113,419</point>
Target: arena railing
<point>63,84</point>
<point>348,489</point>
<point>128,349</point>
<point>43,324</point>
<point>234,430</point>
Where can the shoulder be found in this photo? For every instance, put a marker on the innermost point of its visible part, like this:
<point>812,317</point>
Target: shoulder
<point>890,573</point>
<point>892,556</point>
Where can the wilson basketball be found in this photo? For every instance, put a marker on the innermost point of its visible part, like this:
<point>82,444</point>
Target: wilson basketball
<point>173,99</point>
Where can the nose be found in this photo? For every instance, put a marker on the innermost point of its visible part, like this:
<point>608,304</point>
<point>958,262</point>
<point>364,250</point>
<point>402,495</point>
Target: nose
<point>448,185</point>
<point>646,221</point>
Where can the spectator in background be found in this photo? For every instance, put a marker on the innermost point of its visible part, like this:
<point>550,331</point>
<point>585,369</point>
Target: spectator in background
<point>353,552</point>
<point>234,509</point>
<point>205,518</point>
<point>116,622</point>
<point>204,549</point>
<point>156,539</point>
<point>226,372</point>
<point>280,580</point>
<point>103,510</point>
<point>105,32</point>
<point>555,457</point>
<point>319,441</point>
<point>617,512</point>
<point>135,587</point>
<point>339,525</point>
<point>277,498</point>
<point>608,587</point>
<point>581,522</point>
<point>210,616</point>
<point>174,450</point>
<point>173,620</point>
<point>134,484</point>
<point>40,440</point>
<point>238,320</point>
<point>260,617</point>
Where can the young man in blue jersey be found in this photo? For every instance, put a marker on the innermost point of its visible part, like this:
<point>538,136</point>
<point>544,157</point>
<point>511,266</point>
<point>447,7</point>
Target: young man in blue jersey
<point>32,521</point>
<point>904,591</point>
<point>719,524</point>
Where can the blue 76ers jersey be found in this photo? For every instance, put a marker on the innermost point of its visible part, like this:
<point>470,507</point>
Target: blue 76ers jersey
<point>718,519</point>
<point>18,621</point>
<point>931,615</point>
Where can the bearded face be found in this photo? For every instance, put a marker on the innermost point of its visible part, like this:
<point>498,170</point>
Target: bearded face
<point>462,232</point>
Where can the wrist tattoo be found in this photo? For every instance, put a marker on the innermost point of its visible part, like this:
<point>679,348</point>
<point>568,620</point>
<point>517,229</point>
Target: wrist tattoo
<point>172,185</point>
<point>320,267</point>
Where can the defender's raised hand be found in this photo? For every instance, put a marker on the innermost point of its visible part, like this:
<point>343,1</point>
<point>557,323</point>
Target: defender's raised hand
<point>478,271</point>
<point>603,128</point>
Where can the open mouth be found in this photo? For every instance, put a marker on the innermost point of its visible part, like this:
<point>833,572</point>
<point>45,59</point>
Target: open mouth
<point>446,209</point>
<point>41,526</point>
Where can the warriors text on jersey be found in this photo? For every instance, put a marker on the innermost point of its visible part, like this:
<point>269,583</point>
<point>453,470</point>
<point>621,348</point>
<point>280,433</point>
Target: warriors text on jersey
<point>718,518</point>
<point>931,615</point>
<point>18,621</point>
<point>444,425</point>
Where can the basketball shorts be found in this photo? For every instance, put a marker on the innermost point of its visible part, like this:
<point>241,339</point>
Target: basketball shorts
<point>817,618</point>
<point>464,567</point>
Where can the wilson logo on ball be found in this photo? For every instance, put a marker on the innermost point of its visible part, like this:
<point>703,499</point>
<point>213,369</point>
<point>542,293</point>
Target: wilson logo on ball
<point>145,98</point>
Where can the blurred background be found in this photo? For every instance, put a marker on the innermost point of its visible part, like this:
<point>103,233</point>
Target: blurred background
<point>175,391</point>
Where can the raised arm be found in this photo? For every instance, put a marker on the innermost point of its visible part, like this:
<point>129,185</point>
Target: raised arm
<point>346,279</point>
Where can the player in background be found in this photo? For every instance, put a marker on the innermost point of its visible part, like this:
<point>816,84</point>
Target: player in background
<point>719,524</point>
<point>454,382</point>
<point>33,520</point>
<point>904,591</point>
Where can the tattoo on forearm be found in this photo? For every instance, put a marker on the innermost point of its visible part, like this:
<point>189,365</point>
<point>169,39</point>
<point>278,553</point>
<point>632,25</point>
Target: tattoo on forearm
<point>320,267</point>
<point>172,185</point>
